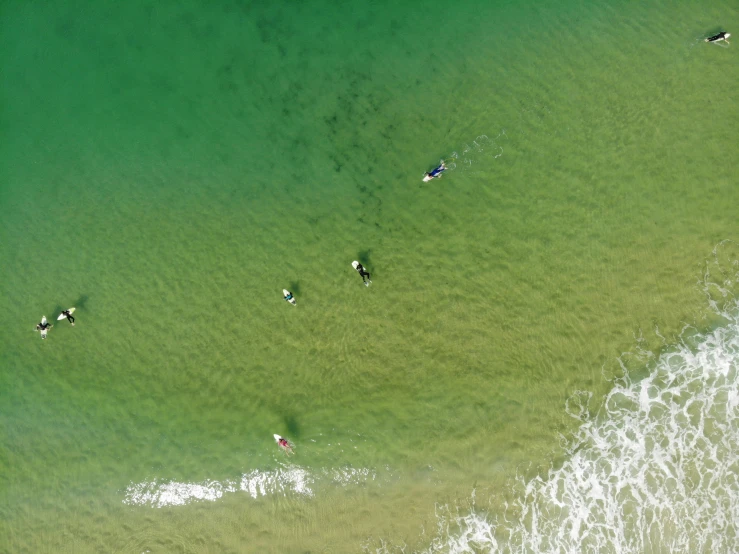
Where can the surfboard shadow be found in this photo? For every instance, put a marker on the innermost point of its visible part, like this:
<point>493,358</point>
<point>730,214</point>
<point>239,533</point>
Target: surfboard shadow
<point>363,256</point>
<point>293,427</point>
<point>81,302</point>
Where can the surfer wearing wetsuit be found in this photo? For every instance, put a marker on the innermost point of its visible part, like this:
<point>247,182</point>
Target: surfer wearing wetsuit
<point>287,295</point>
<point>68,315</point>
<point>436,172</point>
<point>723,35</point>
<point>363,272</point>
<point>43,328</point>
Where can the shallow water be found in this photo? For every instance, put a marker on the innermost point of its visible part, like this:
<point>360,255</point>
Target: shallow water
<point>171,169</point>
<point>655,471</point>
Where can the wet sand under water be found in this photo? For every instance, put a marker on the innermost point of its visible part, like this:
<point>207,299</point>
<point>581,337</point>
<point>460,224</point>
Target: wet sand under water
<point>171,170</point>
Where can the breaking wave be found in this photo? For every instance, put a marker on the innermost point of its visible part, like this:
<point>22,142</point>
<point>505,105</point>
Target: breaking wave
<point>290,479</point>
<point>656,470</point>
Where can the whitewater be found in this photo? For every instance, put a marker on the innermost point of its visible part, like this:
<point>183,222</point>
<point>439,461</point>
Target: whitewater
<point>655,470</point>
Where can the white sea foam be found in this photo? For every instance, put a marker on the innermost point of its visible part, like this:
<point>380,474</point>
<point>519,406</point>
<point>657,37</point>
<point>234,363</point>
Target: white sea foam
<point>474,152</point>
<point>655,471</point>
<point>287,480</point>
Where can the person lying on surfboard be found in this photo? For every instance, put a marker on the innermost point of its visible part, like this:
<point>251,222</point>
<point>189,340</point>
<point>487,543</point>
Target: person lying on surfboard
<point>436,172</point>
<point>723,35</point>
<point>363,272</point>
<point>68,315</point>
<point>285,445</point>
<point>288,296</point>
<point>43,327</point>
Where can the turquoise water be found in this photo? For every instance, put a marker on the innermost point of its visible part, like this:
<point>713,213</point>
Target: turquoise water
<point>168,170</point>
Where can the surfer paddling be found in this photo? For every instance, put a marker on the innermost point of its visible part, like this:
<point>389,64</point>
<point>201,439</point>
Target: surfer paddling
<point>282,443</point>
<point>43,327</point>
<point>287,295</point>
<point>722,36</point>
<point>68,315</point>
<point>363,272</point>
<point>436,172</point>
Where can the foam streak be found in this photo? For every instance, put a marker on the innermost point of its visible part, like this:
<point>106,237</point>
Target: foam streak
<point>288,480</point>
<point>655,471</point>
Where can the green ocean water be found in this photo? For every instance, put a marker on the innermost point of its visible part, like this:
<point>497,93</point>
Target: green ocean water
<point>169,168</point>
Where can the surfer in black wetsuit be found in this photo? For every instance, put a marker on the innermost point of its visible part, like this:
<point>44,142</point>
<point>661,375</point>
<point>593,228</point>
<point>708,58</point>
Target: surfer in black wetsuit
<point>723,35</point>
<point>363,272</point>
<point>68,315</point>
<point>43,327</point>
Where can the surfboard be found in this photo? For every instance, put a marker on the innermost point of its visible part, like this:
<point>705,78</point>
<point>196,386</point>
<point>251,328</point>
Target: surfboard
<point>285,292</point>
<point>62,316</point>
<point>44,331</point>
<point>355,265</point>
<point>287,448</point>
<point>430,175</point>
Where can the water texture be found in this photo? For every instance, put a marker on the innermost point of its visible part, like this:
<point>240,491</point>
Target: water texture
<point>168,169</point>
<point>655,471</point>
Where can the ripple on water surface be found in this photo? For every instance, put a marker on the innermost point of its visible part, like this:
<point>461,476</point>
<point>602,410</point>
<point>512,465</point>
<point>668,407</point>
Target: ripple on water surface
<point>654,471</point>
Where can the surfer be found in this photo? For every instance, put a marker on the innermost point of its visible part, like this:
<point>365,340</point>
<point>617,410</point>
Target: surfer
<point>363,272</point>
<point>68,315</point>
<point>285,445</point>
<point>43,327</point>
<point>288,296</point>
<point>723,35</point>
<point>436,172</point>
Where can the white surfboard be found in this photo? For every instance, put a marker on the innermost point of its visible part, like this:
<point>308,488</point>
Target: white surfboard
<point>285,292</point>
<point>62,316</point>
<point>287,448</point>
<point>428,176</point>
<point>355,265</point>
<point>44,331</point>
